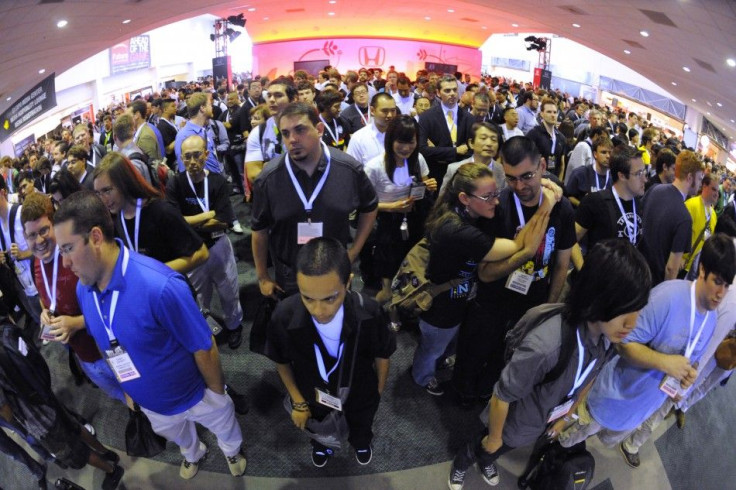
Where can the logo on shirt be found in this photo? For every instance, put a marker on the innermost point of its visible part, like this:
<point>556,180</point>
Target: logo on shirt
<point>538,266</point>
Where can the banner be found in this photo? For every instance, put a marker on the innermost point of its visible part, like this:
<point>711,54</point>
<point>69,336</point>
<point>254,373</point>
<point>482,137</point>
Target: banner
<point>133,54</point>
<point>35,102</point>
<point>21,145</point>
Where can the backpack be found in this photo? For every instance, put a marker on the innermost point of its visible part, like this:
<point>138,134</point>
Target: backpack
<point>152,168</point>
<point>28,372</point>
<point>411,290</point>
<point>559,468</point>
<point>528,322</point>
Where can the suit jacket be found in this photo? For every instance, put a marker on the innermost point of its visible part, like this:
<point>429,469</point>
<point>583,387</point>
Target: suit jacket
<point>352,119</point>
<point>433,127</point>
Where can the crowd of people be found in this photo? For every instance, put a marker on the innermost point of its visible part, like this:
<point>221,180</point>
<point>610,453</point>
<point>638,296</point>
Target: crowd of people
<point>546,221</point>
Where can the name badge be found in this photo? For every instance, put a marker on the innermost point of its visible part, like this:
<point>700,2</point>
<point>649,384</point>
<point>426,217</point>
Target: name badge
<point>670,386</point>
<point>305,231</point>
<point>519,282</point>
<point>417,191</point>
<point>328,400</point>
<point>122,365</point>
<point>217,234</point>
<point>46,333</point>
<point>593,188</point>
<point>559,411</point>
<point>551,162</point>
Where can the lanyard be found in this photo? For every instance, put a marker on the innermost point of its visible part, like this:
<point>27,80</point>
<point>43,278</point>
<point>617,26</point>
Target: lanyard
<point>554,142</point>
<point>327,127</point>
<point>597,182</point>
<point>170,124</point>
<point>365,121</point>
<point>138,132</point>
<point>522,221</point>
<point>113,302</point>
<point>205,205</point>
<point>692,342</point>
<point>252,103</point>
<point>81,179</point>
<point>321,362</point>
<point>138,205</point>
<point>51,291</point>
<point>580,375</point>
<point>320,184</point>
<point>629,226</point>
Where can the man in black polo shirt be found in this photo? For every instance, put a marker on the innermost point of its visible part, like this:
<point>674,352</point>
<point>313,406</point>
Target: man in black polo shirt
<point>616,212</point>
<point>308,192</point>
<point>550,142</point>
<point>203,199</point>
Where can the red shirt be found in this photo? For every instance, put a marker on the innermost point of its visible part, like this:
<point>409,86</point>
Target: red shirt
<point>81,342</point>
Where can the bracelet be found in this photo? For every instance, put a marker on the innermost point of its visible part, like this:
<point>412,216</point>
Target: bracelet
<point>298,405</point>
<point>300,410</point>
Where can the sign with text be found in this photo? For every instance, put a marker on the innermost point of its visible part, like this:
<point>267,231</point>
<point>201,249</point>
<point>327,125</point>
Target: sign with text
<point>21,145</point>
<point>35,102</point>
<point>133,54</point>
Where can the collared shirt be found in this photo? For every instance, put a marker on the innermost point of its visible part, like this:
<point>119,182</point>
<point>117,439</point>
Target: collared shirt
<point>366,143</point>
<point>527,118</point>
<point>192,129</point>
<point>445,110</point>
<point>159,325</point>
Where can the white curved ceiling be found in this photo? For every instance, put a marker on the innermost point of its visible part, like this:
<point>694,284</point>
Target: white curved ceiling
<point>699,34</point>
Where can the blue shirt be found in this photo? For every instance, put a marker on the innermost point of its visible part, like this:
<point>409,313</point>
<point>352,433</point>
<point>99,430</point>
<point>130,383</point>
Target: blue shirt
<point>527,118</point>
<point>623,395</point>
<point>191,129</point>
<point>160,326</point>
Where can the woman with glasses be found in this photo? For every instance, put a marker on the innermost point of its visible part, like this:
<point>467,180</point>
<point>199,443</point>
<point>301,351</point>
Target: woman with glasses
<point>457,245</point>
<point>401,179</point>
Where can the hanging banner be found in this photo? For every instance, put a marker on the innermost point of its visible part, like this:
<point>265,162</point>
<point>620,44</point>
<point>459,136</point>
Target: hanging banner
<point>35,102</point>
<point>133,54</point>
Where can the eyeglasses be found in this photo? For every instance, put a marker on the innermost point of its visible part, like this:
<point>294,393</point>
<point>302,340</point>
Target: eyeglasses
<point>105,191</point>
<point>193,155</point>
<point>527,177</point>
<point>489,198</point>
<point>43,233</point>
<point>638,173</point>
<point>68,248</point>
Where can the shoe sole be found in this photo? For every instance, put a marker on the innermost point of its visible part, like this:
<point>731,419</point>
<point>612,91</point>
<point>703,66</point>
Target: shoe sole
<point>320,465</point>
<point>626,458</point>
<point>488,482</point>
<point>435,393</point>
<point>367,462</point>
<point>449,484</point>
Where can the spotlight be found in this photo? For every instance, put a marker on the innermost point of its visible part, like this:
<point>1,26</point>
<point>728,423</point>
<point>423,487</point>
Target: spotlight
<point>237,20</point>
<point>212,37</point>
<point>535,43</point>
<point>232,34</point>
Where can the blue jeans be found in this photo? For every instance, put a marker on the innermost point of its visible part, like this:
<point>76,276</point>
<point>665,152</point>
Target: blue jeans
<point>432,345</point>
<point>100,373</point>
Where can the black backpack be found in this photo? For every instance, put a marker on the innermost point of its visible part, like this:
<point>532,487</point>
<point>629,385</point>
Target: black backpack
<point>28,371</point>
<point>559,468</point>
<point>152,169</point>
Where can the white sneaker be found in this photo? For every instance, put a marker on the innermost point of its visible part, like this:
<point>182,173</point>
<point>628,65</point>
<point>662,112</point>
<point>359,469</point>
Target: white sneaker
<point>188,470</point>
<point>237,229</point>
<point>236,464</point>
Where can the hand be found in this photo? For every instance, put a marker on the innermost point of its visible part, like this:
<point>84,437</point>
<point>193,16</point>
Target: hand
<point>491,445</point>
<point>403,206</point>
<point>431,184</point>
<point>534,235</point>
<point>556,189</point>
<point>300,418</point>
<point>268,287</point>
<point>46,317</point>
<point>679,368</point>
<point>3,259</point>
<point>553,432</point>
<point>220,390</point>
<point>6,412</point>
<point>462,149</point>
<point>62,328</point>
<point>430,144</point>
<point>14,250</point>
<point>129,401</point>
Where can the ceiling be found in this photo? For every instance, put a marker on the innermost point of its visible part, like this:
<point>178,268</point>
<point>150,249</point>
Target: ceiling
<point>698,34</point>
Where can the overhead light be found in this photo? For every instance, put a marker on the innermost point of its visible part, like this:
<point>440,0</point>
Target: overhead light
<point>332,1</point>
<point>674,83</point>
<point>252,9</point>
<point>428,18</point>
<point>514,25</point>
<point>731,119</point>
<point>644,33</point>
<point>11,98</point>
<point>265,18</point>
<point>626,51</point>
<point>451,11</point>
<point>61,24</point>
<point>330,13</point>
<point>709,104</point>
<point>232,34</point>
<point>719,104</point>
<point>484,28</point>
<point>708,113</point>
<point>237,20</point>
<point>686,69</point>
<point>693,100</point>
<point>576,25</point>
<point>535,43</point>
<point>731,62</point>
<point>41,71</point>
<point>126,21</point>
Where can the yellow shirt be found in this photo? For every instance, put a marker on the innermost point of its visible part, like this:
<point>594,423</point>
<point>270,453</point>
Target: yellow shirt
<point>645,155</point>
<point>696,207</point>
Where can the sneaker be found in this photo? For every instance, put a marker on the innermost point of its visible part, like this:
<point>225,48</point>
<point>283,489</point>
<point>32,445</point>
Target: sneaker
<point>433,388</point>
<point>364,456</point>
<point>90,428</point>
<point>456,479</point>
<point>320,456</point>
<point>489,474</point>
<point>112,480</point>
<point>235,337</point>
<point>240,402</point>
<point>632,459</point>
<point>236,464</point>
<point>188,470</point>
<point>237,229</point>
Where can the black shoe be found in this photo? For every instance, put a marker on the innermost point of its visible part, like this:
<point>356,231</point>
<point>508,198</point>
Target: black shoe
<point>434,388</point>
<point>112,479</point>
<point>632,459</point>
<point>111,456</point>
<point>320,456</point>
<point>240,402</point>
<point>489,473</point>
<point>235,337</point>
<point>364,456</point>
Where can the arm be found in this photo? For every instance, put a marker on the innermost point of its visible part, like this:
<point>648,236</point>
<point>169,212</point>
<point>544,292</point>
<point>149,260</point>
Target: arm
<point>259,244</point>
<point>365,225</point>
<point>208,363</point>
<point>19,254</point>
<point>64,327</point>
<point>674,262</point>
<point>559,275</point>
<point>197,220</point>
<point>382,372</point>
<point>496,420</point>
<point>402,206</point>
<point>580,231</point>
<point>253,169</point>
<point>674,365</point>
<point>186,264</point>
<point>299,417</point>
<point>577,257</point>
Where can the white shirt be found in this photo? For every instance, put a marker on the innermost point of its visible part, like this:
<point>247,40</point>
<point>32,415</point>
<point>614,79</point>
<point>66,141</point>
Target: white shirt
<point>330,331</point>
<point>405,105</point>
<point>509,133</point>
<point>262,149</point>
<point>386,189</point>
<point>366,143</point>
<point>581,156</point>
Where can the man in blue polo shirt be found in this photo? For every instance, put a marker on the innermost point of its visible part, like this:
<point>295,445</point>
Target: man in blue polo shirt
<point>199,108</point>
<point>147,325</point>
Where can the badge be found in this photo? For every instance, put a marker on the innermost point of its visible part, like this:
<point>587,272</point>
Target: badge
<point>551,162</point>
<point>670,386</point>
<point>122,365</point>
<point>328,400</point>
<point>520,282</point>
<point>593,188</point>
<point>46,333</point>
<point>559,411</point>
<point>305,231</point>
<point>417,191</point>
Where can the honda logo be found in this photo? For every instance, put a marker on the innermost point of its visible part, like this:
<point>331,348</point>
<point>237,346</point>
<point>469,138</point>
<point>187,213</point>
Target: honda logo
<point>371,55</point>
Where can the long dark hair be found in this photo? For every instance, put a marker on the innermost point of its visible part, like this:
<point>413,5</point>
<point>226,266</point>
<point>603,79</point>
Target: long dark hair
<point>463,181</point>
<point>403,129</point>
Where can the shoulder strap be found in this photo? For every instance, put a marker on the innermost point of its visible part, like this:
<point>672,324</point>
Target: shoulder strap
<point>261,130</point>
<point>11,221</point>
<point>566,348</point>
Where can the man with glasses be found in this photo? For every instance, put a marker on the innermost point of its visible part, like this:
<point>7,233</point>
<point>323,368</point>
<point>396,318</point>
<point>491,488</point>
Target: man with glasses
<point>616,212</point>
<point>357,115</point>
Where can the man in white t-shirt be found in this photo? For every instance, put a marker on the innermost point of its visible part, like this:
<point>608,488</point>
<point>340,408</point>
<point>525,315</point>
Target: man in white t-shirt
<point>367,143</point>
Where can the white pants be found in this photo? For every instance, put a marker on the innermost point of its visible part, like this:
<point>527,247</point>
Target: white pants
<point>220,271</point>
<point>215,412</point>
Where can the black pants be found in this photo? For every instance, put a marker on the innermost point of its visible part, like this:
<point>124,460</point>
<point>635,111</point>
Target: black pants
<point>360,411</point>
